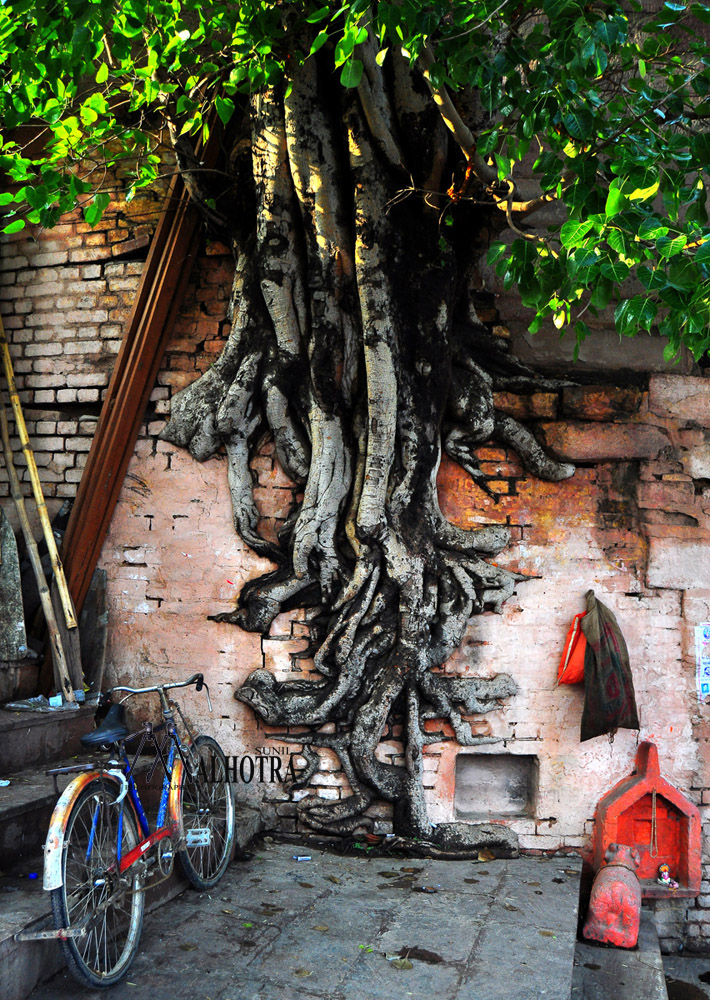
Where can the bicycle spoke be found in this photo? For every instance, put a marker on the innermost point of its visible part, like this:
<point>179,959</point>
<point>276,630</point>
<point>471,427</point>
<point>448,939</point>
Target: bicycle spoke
<point>93,895</point>
<point>207,805</point>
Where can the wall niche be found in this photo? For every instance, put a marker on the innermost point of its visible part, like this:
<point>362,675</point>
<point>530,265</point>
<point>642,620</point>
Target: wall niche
<point>495,785</point>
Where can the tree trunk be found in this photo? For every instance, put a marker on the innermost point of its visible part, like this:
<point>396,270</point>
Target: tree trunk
<point>354,346</point>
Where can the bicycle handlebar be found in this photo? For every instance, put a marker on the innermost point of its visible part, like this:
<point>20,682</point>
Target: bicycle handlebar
<point>196,679</point>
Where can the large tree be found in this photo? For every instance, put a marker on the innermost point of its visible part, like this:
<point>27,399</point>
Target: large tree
<point>370,159</point>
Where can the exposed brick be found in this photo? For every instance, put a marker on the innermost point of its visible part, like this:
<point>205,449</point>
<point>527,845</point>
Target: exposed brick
<point>678,563</point>
<point>42,289</point>
<point>93,379</point>
<point>680,397</point>
<point>50,259</point>
<point>600,402</point>
<point>538,405</point>
<point>90,254</point>
<point>600,442</point>
<point>43,350</point>
<point>666,496</point>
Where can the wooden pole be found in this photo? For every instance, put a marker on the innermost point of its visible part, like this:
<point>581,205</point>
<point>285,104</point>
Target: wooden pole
<point>21,428</point>
<point>61,671</point>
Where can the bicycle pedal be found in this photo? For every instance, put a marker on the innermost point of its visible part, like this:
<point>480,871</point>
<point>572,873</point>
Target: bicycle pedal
<point>199,836</point>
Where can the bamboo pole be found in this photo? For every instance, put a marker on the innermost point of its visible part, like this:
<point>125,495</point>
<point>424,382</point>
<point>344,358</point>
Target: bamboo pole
<point>61,670</point>
<point>21,428</point>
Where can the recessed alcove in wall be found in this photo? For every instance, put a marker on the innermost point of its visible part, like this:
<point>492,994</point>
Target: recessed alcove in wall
<point>495,785</point>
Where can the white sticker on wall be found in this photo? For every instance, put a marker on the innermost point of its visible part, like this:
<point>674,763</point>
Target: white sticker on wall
<point>702,660</point>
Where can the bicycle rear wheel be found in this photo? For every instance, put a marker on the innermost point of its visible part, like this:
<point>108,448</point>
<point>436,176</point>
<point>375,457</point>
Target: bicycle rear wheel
<point>207,806</point>
<point>102,901</point>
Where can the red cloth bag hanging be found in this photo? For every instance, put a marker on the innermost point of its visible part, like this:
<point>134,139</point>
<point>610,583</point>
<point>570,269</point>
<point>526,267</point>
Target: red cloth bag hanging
<point>571,668</point>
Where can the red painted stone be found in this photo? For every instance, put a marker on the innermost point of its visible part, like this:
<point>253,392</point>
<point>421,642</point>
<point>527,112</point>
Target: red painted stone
<point>615,904</point>
<point>625,815</point>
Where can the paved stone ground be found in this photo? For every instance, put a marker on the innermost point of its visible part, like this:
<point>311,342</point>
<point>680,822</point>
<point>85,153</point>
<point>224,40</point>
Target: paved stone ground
<point>335,927</point>
<point>687,977</point>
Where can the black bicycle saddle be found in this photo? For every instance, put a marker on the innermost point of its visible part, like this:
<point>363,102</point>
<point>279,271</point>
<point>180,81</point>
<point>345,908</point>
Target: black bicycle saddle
<point>112,728</point>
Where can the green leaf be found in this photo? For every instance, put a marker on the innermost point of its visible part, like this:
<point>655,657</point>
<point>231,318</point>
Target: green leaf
<point>351,73</point>
<point>671,352</point>
<point>616,240</point>
<point>225,108</point>
<point>702,12</point>
<point>615,200</point>
<point>573,232</point>
<point>581,332</point>
<point>95,209</point>
<point>585,256</point>
<point>634,314</point>
<point>344,48</point>
<point>579,123</point>
<point>668,247</point>
<point>318,42</point>
<point>102,73</point>
<point>14,227</point>
<point>702,254</point>
<point>496,251</point>
<point>615,270</point>
<point>318,15</point>
<point>643,194</point>
<point>650,229</point>
<point>651,279</point>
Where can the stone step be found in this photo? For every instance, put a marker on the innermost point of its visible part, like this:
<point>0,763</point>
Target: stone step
<point>27,803</point>
<point>26,806</point>
<point>37,737</point>
<point>601,973</point>
<point>25,906</point>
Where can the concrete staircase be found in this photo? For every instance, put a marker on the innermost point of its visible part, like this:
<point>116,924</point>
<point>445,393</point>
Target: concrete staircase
<point>30,743</point>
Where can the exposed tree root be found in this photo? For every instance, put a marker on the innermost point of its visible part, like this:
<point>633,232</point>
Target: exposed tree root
<point>347,346</point>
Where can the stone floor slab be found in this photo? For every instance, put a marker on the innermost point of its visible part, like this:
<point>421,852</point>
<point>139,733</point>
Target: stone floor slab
<point>335,928</point>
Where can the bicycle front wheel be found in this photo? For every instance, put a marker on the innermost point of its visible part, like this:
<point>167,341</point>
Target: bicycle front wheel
<point>207,806</point>
<point>93,895</point>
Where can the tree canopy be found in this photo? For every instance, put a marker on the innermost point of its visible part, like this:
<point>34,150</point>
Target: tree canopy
<point>611,100</point>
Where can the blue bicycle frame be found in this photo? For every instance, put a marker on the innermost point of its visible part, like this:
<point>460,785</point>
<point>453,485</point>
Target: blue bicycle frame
<point>161,831</point>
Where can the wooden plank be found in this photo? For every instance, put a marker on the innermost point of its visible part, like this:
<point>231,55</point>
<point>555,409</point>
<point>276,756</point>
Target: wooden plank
<point>71,643</point>
<point>93,626</point>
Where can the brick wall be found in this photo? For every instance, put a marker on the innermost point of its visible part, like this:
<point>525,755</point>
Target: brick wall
<point>632,524</point>
<point>65,296</point>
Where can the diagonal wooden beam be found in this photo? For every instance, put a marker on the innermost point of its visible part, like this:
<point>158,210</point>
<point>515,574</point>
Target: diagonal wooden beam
<point>170,259</point>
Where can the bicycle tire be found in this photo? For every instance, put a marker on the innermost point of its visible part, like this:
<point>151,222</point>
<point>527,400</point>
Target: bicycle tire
<point>100,958</point>
<point>205,804</point>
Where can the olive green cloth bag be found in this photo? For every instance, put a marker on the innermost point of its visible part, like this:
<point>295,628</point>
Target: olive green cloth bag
<point>609,699</point>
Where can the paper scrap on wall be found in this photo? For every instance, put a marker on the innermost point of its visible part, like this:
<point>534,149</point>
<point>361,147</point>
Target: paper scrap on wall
<point>702,660</point>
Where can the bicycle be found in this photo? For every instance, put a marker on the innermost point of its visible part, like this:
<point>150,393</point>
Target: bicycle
<point>100,850</point>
